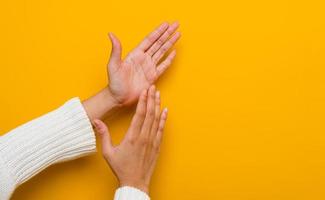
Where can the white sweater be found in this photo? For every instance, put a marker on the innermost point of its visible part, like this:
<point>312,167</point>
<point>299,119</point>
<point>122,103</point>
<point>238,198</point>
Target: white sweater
<point>63,134</point>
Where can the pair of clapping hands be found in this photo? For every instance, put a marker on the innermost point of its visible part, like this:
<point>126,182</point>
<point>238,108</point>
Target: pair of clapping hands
<point>131,80</point>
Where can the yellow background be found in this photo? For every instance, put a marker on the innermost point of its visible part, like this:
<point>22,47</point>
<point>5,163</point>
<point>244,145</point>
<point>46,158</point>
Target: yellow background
<point>245,93</point>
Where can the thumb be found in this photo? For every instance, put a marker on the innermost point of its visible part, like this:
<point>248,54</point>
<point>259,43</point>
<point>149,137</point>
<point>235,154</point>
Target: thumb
<point>105,137</point>
<point>116,49</point>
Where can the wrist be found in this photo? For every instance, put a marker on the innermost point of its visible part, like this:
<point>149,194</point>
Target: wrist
<point>101,104</point>
<point>109,98</point>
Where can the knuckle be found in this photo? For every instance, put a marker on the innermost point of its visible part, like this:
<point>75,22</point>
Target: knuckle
<point>151,113</point>
<point>151,39</point>
<point>164,48</point>
<point>141,113</point>
<point>158,54</point>
<point>144,141</point>
<point>168,62</point>
<point>131,140</point>
<point>150,52</point>
<point>170,31</point>
<point>157,119</point>
<point>154,36</point>
<point>159,32</point>
<point>160,42</point>
<point>156,148</point>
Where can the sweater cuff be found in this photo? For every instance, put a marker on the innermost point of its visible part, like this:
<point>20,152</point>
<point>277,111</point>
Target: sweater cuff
<point>130,193</point>
<point>63,134</point>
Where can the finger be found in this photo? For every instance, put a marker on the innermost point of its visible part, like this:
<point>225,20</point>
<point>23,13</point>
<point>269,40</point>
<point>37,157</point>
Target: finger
<point>153,36</point>
<point>157,116</point>
<point>166,63</point>
<point>105,137</point>
<point>160,130</point>
<point>150,114</point>
<point>160,41</point>
<point>161,52</point>
<point>154,158</point>
<point>116,49</point>
<point>140,113</point>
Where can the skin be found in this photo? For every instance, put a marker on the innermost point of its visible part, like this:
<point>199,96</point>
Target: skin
<point>138,71</point>
<point>134,159</point>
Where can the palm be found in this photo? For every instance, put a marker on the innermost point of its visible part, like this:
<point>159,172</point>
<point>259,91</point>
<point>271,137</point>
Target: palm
<point>136,73</point>
<point>142,66</point>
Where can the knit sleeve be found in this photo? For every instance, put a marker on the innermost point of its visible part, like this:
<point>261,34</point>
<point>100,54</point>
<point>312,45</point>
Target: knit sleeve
<point>63,134</point>
<point>130,193</point>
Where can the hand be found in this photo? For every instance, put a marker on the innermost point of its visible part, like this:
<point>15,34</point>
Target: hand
<point>142,66</point>
<point>134,159</point>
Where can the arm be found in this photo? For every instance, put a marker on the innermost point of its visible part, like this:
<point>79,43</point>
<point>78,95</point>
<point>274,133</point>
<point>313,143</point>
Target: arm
<point>130,164</point>
<point>101,104</point>
<point>63,134</point>
<point>66,133</point>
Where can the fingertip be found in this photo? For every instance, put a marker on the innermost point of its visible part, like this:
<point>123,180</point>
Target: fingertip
<point>175,24</point>
<point>158,94</point>
<point>165,113</point>
<point>111,36</point>
<point>164,24</point>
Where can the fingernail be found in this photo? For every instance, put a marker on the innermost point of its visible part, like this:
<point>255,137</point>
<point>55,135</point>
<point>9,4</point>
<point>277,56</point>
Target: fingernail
<point>158,94</point>
<point>166,110</point>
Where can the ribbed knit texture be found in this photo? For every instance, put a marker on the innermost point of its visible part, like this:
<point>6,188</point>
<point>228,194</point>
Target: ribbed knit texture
<point>130,193</point>
<point>63,134</point>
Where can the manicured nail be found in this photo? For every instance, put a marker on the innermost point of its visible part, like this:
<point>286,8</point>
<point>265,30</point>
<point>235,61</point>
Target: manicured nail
<point>158,94</point>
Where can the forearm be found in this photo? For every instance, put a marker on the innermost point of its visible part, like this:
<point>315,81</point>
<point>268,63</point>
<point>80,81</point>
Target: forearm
<point>63,134</point>
<point>101,104</point>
